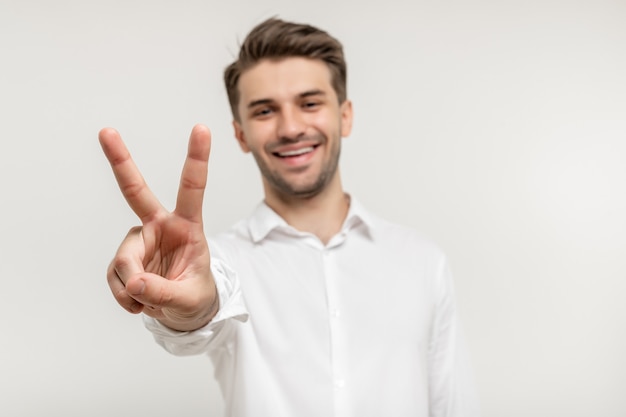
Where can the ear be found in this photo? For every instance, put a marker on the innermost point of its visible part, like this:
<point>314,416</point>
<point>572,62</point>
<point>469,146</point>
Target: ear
<point>240,136</point>
<point>346,118</point>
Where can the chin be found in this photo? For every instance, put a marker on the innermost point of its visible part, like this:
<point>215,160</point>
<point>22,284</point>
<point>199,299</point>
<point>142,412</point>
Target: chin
<point>301,191</point>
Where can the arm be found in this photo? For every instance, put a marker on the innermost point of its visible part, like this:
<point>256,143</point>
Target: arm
<point>451,386</point>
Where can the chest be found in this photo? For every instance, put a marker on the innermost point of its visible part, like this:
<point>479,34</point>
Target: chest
<point>293,290</point>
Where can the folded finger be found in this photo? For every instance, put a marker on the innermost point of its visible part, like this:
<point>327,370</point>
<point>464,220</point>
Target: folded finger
<point>126,263</point>
<point>128,260</point>
<point>118,289</point>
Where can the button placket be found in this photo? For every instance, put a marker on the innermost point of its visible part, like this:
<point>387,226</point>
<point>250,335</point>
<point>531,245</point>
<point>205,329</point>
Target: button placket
<point>338,360</point>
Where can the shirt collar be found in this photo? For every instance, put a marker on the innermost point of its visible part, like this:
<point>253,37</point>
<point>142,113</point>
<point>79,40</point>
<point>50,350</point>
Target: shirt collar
<point>263,220</point>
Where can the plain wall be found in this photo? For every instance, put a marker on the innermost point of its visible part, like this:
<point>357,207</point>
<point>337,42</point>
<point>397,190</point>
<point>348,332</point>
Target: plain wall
<point>497,128</point>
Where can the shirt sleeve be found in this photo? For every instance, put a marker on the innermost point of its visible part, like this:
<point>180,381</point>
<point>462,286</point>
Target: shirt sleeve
<point>218,331</point>
<point>452,390</point>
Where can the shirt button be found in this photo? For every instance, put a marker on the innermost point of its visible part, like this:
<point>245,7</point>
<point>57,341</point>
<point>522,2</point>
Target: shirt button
<point>335,313</point>
<point>340,383</point>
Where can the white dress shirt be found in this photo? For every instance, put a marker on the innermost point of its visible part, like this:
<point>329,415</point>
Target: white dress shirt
<point>363,326</point>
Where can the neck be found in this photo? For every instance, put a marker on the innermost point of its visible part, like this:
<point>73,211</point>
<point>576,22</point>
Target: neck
<point>322,214</point>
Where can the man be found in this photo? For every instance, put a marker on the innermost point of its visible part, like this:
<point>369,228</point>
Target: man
<point>344,314</point>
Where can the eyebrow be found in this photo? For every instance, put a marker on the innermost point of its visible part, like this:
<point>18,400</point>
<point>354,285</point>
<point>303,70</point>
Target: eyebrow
<point>310,93</point>
<point>305,94</point>
<point>259,102</point>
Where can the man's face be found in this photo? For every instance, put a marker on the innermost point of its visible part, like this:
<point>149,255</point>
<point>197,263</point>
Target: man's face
<point>291,121</point>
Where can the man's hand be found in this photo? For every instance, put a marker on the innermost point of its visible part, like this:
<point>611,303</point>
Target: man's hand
<point>163,267</point>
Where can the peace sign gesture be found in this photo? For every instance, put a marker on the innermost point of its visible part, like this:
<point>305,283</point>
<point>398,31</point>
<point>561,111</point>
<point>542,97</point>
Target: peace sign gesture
<point>163,267</point>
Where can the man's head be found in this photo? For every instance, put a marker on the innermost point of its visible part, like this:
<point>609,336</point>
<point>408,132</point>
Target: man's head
<point>288,97</point>
<point>275,39</point>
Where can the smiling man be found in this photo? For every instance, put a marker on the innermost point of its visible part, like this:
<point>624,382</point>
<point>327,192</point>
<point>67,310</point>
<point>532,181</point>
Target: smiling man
<point>312,306</point>
<point>292,120</point>
<point>290,106</point>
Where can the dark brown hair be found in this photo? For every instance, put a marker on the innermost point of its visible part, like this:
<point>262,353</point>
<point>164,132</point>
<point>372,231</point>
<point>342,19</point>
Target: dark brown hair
<point>277,39</point>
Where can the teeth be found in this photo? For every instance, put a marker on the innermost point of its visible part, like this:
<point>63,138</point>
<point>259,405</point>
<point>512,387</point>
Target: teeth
<point>297,152</point>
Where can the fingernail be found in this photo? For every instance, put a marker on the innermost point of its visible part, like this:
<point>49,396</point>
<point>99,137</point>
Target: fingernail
<point>137,289</point>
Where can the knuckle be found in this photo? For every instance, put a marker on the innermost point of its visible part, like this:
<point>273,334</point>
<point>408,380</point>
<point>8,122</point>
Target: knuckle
<point>121,262</point>
<point>121,296</point>
<point>124,300</point>
<point>191,184</point>
<point>134,230</point>
<point>132,190</point>
<point>111,272</point>
<point>112,278</point>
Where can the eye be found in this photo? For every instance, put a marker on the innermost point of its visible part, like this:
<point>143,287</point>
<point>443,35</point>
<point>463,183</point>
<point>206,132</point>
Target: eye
<point>310,104</point>
<point>262,111</point>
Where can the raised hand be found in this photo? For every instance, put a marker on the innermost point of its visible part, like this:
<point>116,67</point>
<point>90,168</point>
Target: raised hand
<point>163,267</point>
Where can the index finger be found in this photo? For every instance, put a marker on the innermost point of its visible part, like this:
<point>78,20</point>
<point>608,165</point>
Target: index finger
<point>131,182</point>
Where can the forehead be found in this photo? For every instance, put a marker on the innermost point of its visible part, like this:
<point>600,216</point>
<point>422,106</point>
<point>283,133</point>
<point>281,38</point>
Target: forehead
<point>283,79</point>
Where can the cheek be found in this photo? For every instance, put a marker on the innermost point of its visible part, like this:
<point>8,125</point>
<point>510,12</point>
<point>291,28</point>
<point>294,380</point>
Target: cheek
<point>326,123</point>
<point>259,134</point>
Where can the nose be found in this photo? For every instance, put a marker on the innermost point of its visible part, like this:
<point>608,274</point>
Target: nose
<point>291,125</point>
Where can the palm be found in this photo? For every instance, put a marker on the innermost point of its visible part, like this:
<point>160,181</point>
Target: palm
<point>169,247</point>
<point>175,249</point>
<point>163,268</point>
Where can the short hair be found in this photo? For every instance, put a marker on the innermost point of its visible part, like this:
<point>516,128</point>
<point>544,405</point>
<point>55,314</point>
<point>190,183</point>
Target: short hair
<point>276,39</point>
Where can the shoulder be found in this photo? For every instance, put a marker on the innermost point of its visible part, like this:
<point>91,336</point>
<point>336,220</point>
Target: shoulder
<point>403,237</point>
<point>409,256</point>
<point>394,236</point>
<point>225,245</point>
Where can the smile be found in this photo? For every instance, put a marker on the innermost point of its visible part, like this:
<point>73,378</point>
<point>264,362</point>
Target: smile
<point>295,152</point>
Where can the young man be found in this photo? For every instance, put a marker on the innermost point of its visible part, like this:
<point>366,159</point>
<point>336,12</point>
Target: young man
<point>312,306</point>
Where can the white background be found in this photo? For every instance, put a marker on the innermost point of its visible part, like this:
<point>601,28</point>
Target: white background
<point>497,128</point>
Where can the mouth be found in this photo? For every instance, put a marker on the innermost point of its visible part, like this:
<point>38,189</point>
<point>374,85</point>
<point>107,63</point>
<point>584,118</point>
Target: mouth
<point>295,152</point>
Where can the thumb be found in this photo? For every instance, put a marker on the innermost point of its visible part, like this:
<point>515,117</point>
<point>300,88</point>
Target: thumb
<point>155,291</point>
<point>182,305</point>
<point>186,298</point>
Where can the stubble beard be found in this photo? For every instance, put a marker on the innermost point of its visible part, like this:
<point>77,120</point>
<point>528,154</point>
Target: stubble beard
<point>286,189</point>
